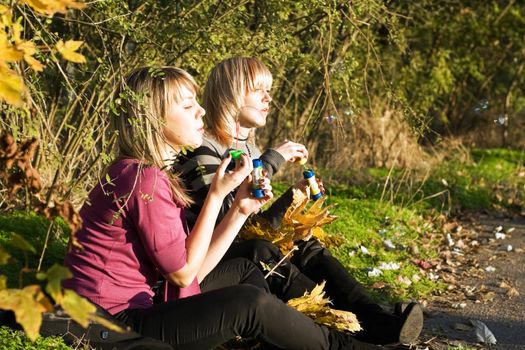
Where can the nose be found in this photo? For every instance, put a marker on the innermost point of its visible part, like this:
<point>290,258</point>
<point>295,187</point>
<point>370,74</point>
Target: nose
<point>267,96</point>
<point>201,112</point>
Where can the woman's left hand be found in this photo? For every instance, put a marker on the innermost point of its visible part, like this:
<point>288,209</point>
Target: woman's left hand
<point>303,184</point>
<point>244,200</point>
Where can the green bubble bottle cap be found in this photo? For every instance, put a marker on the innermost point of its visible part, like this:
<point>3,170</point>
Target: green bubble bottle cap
<point>236,153</point>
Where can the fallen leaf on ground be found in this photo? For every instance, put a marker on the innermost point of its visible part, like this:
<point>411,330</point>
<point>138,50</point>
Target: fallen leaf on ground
<point>483,333</point>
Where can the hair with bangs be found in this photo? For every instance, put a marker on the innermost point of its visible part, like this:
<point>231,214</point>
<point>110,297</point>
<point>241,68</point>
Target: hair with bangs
<point>144,98</point>
<point>227,85</point>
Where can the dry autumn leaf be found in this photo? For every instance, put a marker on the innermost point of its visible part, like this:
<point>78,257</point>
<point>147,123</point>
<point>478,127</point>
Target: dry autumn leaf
<point>68,50</point>
<point>50,7</point>
<point>316,306</point>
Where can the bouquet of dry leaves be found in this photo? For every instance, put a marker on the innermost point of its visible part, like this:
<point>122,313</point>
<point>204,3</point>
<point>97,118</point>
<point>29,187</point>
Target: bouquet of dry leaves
<point>300,222</point>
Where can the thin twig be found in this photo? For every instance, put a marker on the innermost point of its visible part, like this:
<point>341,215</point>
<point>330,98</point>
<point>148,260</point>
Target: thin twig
<point>280,261</point>
<point>45,245</point>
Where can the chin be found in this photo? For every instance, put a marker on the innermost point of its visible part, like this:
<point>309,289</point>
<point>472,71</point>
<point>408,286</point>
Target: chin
<point>197,143</point>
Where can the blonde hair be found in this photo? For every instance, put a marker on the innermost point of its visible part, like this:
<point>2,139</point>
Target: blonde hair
<point>144,98</point>
<point>227,85</point>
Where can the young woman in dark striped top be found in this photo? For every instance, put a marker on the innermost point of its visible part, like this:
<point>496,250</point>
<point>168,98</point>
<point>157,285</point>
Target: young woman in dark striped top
<point>237,101</point>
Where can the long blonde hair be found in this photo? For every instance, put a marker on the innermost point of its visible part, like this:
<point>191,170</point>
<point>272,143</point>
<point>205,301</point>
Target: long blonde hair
<point>227,85</point>
<point>143,100</point>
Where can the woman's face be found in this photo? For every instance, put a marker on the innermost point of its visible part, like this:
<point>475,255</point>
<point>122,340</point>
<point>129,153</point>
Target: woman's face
<point>184,125</point>
<point>255,108</point>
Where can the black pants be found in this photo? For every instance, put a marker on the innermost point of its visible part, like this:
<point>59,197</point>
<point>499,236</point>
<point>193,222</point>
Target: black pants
<point>311,265</point>
<point>226,309</point>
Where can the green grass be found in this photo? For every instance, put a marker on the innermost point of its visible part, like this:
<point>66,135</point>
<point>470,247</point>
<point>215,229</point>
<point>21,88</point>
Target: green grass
<point>370,223</point>
<point>16,340</point>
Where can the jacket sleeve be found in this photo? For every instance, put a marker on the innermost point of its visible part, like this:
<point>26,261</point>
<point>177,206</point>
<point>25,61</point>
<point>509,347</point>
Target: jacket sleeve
<point>272,161</point>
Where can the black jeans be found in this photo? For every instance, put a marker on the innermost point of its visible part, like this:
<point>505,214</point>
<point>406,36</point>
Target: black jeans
<point>311,265</point>
<point>223,312</point>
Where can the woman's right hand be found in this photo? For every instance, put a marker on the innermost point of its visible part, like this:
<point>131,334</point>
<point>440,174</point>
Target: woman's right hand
<point>292,151</point>
<point>224,182</point>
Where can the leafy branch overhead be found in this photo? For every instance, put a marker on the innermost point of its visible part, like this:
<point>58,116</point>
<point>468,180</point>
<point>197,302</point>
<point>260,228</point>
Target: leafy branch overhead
<point>300,222</point>
<point>14,48</point>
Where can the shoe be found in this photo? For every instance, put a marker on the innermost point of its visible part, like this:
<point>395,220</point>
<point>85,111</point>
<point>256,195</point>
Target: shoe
<point>412,322</point>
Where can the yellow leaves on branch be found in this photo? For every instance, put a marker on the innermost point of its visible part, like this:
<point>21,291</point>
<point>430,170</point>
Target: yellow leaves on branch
<point>13,48</point>
<point>68,50</point>
<point>300,222</point>
<point>316,306</point>
<point>50,7</point>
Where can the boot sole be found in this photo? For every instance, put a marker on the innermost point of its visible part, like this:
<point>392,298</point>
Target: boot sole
<point>413,324</point>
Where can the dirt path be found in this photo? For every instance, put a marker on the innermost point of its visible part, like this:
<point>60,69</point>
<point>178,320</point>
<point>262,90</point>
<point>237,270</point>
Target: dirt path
<point>495,298</point>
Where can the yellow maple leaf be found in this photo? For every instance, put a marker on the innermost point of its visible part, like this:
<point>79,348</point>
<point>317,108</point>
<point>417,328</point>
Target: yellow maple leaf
<point>12,86</point>
<point>304,219</point>
<point>79,308</point>
<point>5,16</point>
<point>20,49</point>
<point>28,49</point>
<point>50,7</point>
<point>8,52</point>
<point>28,305</point>
<point>67,50</point>
<point>34,63</point>
<point>54,276</point>
<point>82,311</point>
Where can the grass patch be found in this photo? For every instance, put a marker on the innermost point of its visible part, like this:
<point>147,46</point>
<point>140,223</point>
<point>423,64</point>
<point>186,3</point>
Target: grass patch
<point>487,180</point>
<point>16,340</point>
<point>380,236</point>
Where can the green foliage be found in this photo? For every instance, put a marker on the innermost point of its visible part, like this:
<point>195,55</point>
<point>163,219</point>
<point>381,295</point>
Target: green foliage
<point>32,228</point>
<point>16,340</point>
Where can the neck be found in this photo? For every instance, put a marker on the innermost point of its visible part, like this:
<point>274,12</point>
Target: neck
<point>168,155</point>
<point>243,134</point>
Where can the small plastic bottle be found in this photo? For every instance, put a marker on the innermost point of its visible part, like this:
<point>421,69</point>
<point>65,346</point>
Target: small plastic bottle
<point>257,191</point>
<point>315,192</point>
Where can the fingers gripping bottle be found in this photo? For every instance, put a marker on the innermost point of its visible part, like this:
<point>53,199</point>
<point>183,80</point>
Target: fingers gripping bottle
<point>315,192</point>
<point>257,191</point>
